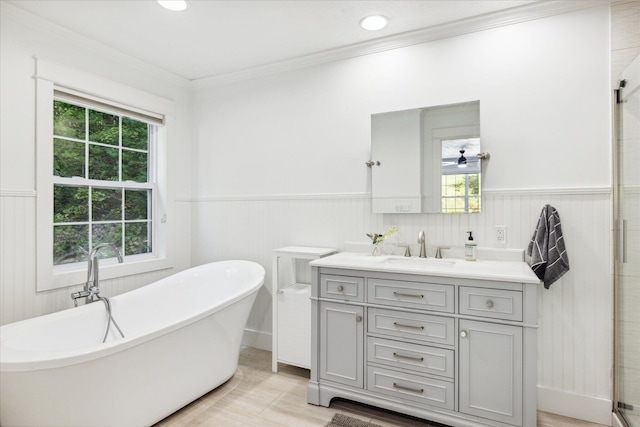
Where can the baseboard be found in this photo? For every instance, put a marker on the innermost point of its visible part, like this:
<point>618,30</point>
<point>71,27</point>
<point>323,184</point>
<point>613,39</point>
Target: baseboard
<point>256,339</point>
<point>586,408</point>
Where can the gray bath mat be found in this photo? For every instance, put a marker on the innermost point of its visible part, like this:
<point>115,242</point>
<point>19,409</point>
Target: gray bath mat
<point>340,420</point>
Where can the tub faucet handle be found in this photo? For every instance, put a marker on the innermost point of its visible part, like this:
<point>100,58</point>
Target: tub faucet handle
<point>80,294</point>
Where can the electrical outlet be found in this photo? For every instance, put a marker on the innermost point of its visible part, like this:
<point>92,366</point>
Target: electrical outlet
<point>501,234</point>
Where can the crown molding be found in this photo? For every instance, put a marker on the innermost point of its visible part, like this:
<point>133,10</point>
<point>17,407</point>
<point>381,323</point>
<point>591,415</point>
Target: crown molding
<point>36,23</point>
<point>524,13</point>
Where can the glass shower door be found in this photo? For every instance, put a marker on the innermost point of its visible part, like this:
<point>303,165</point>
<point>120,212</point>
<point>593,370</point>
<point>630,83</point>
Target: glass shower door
<point>627,246</point>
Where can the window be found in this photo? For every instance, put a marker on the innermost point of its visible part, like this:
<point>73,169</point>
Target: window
<point>460,175</point>
<point>103,181</point>
<point>460,193</point>
<point>101,152</point>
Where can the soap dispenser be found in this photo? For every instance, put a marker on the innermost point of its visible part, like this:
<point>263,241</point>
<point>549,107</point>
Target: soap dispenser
<point>470,248</point>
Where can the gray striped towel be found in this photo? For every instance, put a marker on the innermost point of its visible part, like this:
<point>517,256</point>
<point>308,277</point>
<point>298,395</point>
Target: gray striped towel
<point>549,259</point>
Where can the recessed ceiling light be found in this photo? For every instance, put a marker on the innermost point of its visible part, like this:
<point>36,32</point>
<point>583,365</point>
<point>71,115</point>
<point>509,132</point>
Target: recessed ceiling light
<point>374,22</point>
<point>176,5</point>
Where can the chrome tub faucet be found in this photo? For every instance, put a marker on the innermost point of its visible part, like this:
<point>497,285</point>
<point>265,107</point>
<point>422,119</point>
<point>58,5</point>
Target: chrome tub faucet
<point>91,288</point>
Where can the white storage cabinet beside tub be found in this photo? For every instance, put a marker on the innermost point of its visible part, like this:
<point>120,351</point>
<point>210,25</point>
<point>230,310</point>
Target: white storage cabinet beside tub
<point>456,347</point>
<point>291,307</point>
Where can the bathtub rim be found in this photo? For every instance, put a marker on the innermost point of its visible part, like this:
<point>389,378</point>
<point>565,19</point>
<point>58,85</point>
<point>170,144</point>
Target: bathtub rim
<point>13,360</point>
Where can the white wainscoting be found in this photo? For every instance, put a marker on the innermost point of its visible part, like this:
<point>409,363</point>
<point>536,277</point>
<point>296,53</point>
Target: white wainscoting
<point>18,297</point>
<point>575,341</point>
<point>576,319</point>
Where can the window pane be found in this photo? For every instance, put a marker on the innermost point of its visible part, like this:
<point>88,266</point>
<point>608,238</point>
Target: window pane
<point>135,134</point>
<point>107,233</point>
<point>136,203</point>
<point>70,204</point>
<point>134,166</point>
<point>104,128</point>
<point>474,204</point>
<point>474,184</point>
<point>68,158</point>
<point>137,238</point>
<point>451,185</point>
<point>106,204</point>
<point>70,243</point>
<point>103,163</point>
<point>459,185</point>
<point>68,120</point>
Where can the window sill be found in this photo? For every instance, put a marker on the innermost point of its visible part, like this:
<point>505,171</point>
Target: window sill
<point>76,274</point>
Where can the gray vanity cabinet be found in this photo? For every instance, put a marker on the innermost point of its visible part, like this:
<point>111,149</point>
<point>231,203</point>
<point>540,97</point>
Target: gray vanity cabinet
<point>490,376</point>
<point>456,350</point>
<point>342,338</point>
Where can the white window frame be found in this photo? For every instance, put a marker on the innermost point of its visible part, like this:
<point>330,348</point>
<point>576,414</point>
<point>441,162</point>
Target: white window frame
<point>49,77</point>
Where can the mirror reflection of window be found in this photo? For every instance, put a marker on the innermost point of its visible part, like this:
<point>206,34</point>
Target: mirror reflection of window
<point>412,149</point>
<point>460,175</point>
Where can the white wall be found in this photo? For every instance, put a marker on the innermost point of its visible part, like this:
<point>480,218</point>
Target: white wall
<point>279,160</point>
<point>536,103</point>
<point>23,36</point>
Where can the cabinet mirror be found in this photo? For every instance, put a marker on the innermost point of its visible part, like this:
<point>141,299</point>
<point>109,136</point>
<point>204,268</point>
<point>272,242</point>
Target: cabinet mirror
<point>426,160</point>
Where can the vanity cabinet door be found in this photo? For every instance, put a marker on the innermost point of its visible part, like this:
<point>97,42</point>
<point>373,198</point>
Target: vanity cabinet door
<point>342,343</point>
<point>491,371</point>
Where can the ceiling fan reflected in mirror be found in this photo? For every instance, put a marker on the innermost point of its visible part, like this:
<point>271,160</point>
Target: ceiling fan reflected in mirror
<point>462,160</point>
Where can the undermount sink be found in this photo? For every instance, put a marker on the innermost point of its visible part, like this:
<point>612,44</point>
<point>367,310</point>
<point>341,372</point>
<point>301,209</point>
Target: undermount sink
<point>419,262</point>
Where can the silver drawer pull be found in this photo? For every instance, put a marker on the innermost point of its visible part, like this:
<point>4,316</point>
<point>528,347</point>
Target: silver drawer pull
<point>400,325</point>
<point>340,288</point>
<point>358,318</point>
<point>400,294</point>
<point>463,334</point>
<point>489,303</point>
<point>414,390</point>
<point>402,356</point>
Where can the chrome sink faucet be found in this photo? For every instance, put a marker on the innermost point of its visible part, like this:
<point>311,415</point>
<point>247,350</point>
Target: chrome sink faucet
<point>91,288</point>
<point>423,251</point>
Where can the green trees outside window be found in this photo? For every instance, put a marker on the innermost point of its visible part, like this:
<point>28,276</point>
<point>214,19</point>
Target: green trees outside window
<point>461,193</point>
<point>102,189</point>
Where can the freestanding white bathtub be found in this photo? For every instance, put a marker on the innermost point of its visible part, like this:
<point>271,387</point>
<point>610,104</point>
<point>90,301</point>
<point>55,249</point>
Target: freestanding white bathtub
<point>182,339</point>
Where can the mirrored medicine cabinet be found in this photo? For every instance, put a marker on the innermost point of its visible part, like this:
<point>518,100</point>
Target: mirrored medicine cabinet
<point>425,160</point>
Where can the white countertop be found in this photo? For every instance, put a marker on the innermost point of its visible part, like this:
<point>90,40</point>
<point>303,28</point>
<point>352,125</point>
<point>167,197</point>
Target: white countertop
<point>505,271</point>
<point>304,252</point>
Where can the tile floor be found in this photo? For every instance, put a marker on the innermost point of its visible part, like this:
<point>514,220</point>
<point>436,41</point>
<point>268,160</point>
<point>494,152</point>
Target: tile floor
<point>257,397</point>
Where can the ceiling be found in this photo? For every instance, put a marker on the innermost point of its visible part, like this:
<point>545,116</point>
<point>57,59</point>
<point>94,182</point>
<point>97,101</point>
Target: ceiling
<point>217,37</point>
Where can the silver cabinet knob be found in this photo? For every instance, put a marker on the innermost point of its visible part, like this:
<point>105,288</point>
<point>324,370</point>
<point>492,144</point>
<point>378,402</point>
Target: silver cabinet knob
<point>489,304</point>
<point>463,334</point>
<point>340,288</point>
<point>358,318</point>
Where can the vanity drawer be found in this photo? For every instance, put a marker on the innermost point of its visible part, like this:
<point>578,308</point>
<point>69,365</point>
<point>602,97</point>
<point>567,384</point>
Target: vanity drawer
<point>407,387</point>
<point>345,288</point>
<point>421,358</point>
<point>496,303</point>
<point>427,296</point>
<point>415,326</point>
